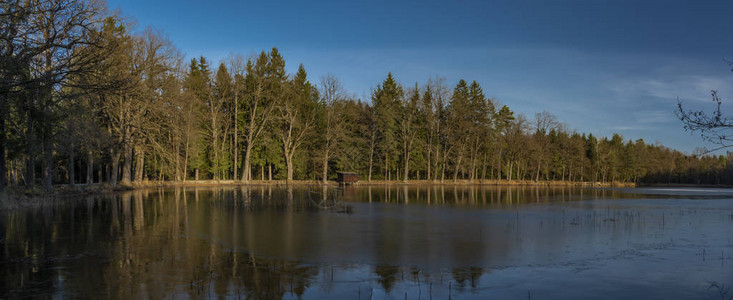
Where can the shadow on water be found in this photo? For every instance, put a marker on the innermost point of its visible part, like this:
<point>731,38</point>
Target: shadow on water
<point>364,242</point>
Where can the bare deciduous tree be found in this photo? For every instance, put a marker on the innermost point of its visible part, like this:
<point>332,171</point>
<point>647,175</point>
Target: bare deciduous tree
<point>332,96</point>
<point>714,127</point>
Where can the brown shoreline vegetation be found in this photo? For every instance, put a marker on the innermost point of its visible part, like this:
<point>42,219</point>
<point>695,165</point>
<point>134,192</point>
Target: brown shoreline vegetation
<point>20,198</point>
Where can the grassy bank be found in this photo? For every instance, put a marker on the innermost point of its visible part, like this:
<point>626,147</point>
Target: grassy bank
<point>212,183</point>
<point>20,197</point>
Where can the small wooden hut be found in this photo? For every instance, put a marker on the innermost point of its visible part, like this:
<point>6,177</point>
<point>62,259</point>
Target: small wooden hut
<point>347,177</point>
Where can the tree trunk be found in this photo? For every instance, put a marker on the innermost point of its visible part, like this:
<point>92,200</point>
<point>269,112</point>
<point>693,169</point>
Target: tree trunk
<point>407,162</point>
<point>458,166</point>
<point>499,164</point>
<point>90,167</point>
<point>427,173</point>
<point>79,167</point>
<point>115,155</point>
<point>484,165</point>
<point>472,171</point>
<point>47,160</point>
<point>269,172</point>
<point>185,161</point>
<point>289,163</point>
<point>159,167</point>
<point>246,172</point>
<point>562,177</point>
<point>442,172</point>
<point>3,163</point>
<point>325,168</point>
<point>127,164</point>
<point>371,159</point>
<point>71,164</point>
<point>581,173</point>
<point>177,171</point>
<point>30,177</point>
<point>140,154</point>
<point>288,159</point>
<point>437,163</point>
<point>386,166</point>
<point>14,174</point>
<point>236,136</point>
<point>215,145</point>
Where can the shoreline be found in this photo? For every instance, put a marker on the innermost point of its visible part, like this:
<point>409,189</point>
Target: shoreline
<point>19,197</point>
<point>210,183</point>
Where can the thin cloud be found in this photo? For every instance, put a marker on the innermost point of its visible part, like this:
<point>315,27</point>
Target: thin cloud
<point>682,87</point>
<point>629,128</point>
<point>654,117</point>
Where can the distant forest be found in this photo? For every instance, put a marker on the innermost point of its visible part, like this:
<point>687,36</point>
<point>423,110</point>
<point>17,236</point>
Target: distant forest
<point>86,99</point>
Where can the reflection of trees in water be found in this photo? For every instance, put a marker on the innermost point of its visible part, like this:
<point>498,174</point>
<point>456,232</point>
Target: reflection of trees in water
<point>470,275</point>
<point>479,195</point>
<point>264,278</point>
<point>387,276</point>
<point>117,249</point>
<point>154,244</point>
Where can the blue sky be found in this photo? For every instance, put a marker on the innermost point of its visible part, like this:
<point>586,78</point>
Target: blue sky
<point>599,66</point>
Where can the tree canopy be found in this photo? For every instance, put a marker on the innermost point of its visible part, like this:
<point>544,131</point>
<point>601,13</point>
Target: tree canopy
<point>84,97</point>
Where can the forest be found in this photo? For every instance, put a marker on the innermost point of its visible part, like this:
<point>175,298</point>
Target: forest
<point>85,97</point>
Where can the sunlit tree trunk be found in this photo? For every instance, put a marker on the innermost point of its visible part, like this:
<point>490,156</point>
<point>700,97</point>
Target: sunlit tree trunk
<point>324,174</point>
<point>407,161</point>
<point>437,163</point>
<point>289,163</point>
<point>246,168</point>
<point>215,142</point>
<point>236,137</point>
<point>427,171</point>
<point>457,168</point>
<point>140,164</point>
<point>372,143</point>
<point>177,172</point>
<point>386,166</point>
<point>509,171</point>
<point>127,165</point>
<point>484,166</point>
<point>184,176</point>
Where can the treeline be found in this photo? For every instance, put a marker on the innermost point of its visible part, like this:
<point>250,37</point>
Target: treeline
<point>86,99</point>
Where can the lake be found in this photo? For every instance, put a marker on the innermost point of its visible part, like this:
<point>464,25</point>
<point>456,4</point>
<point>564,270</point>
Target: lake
<point>396,242</point>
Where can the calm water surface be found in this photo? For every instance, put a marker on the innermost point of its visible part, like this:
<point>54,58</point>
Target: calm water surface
<point>428,242</point>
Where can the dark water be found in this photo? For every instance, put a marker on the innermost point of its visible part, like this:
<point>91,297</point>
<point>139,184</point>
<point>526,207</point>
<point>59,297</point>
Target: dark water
<point>374,243</point>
